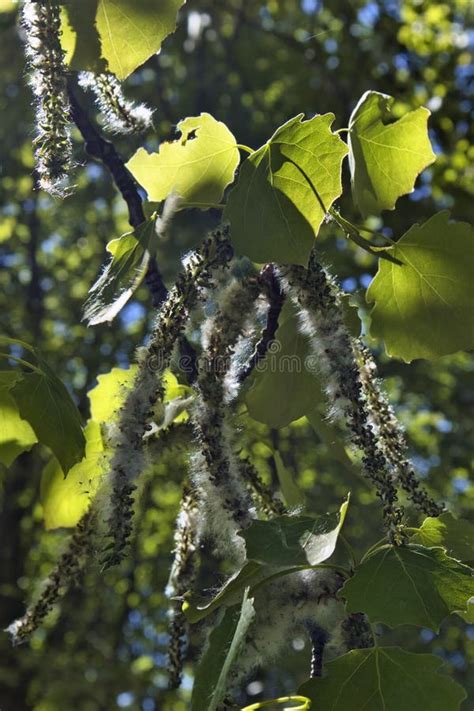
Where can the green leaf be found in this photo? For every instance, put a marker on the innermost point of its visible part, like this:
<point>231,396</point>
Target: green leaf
<point>285,189</point>
<point>197,167</point>
<point>384,678</point>
<point>386,155</point>
<point>225,642</point>
<point>456,536</point>
<point>294,540</point>
<point>409,585</point>
<point>424,308</point>
<point>16,435</point>
<point>65,500</point>
<point>45,403</point>
<point>249,575</point>
<point>115,35</point>
<point>283,388</point>
<point>122,276</point>
<point>107,397</point>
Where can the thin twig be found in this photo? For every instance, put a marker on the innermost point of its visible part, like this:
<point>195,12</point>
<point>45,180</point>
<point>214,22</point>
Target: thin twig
<point>270,285</point>
<point>104,151</point>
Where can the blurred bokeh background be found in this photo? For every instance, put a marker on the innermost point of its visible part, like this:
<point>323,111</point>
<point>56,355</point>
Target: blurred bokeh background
<point>252,64</point>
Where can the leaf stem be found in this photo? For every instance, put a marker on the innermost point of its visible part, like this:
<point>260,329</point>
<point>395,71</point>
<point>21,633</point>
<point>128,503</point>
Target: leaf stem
<point>342,130</point>
<point>373,548</point>
<point>281,700</point>
<point>204,205</point>
<point>245,148</point>
<point>352,232</point>
<point>349,550</point>
<point>8,356</point>
<point>16,342</point>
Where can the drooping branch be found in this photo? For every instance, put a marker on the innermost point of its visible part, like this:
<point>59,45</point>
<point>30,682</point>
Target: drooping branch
<point>105,152</point>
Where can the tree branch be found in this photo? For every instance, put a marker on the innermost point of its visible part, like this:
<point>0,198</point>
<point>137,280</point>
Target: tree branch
<point>270,286</point>
<point>104,151</point>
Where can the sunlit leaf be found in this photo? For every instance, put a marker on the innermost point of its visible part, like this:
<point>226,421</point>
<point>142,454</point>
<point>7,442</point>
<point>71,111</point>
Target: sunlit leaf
<point>107,397</point>
<point>16,435</point>
<point>122,276</point>
<point>424,308</point>
<point>385,678</point>
<point>453,534</point>
<point>198,166</point>
<point>386,155</point>
<point>115,35</point>
<point>285,189</point>
<point>409,585</point>
<point>65,500</point>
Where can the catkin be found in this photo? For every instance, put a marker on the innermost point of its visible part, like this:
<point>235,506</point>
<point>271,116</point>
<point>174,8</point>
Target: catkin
<point>47,76</point>
<point>120,114</point>
<point>390,435</point>
<point>322,319</point>
<point>180,582</point>
<point>128,460</point>
<point>216,469</point>
<point>66,573</point>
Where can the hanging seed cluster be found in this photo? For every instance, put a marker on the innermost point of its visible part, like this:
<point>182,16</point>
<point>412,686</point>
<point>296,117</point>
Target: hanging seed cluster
<point>322,319</point>
<point>216,467</point>
<point>120,115</point>
<point>391,436</point>
<point>181,581</point>
<point>128,460</point>
<point>349,375</point>
<point>66,573</point>
<point>47,76</point>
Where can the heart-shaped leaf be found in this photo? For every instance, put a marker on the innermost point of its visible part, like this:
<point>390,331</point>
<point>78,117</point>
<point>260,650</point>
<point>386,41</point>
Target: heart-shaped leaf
<point>115,35</point>
<point>424,307</point>
<point>384,678</point>
<point>197,167</point>
<point>409,585</point>
<point>285,189</point>
<point>386,155</point>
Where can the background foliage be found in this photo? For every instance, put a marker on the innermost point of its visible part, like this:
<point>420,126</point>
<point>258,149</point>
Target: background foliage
<point>252,65</point>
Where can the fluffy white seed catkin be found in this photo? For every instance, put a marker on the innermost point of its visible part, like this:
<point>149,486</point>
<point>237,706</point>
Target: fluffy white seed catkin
<point>66,573</point>
<point>114,499</point>
<point>286,607</point>
<point>390,435</point>
<point>128,460</point>
<point>180,582</point>
<point>322,319</point>
<point>120,114</point>
<point>42,25</point>
<point>215,467</point>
